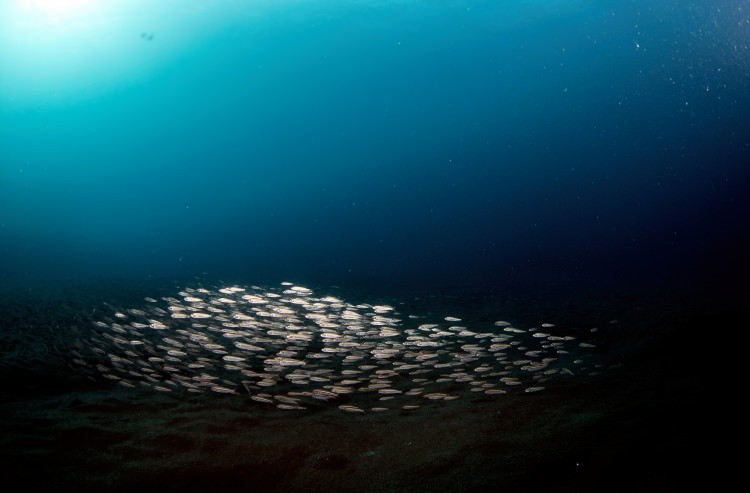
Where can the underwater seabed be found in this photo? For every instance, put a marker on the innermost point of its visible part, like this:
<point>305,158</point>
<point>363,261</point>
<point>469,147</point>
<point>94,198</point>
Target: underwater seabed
<point>67,427</point>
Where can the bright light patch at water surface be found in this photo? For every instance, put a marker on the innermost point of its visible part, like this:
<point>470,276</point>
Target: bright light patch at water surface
<point>66,50</point>
<point>56,7</point>
<point>52,50</point>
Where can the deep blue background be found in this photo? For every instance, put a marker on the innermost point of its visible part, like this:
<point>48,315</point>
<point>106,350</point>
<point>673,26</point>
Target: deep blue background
<point>456,144</point>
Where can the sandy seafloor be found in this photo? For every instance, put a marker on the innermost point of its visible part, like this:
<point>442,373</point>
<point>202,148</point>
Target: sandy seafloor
<point>645,425</point>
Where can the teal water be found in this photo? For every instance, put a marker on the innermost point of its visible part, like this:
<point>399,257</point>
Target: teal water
<point>375,143</point>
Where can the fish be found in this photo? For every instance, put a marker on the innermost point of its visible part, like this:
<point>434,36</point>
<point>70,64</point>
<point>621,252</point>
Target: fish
<point>289,347</point>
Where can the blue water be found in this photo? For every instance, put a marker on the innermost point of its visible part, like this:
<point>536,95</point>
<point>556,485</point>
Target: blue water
<point>455,144</point>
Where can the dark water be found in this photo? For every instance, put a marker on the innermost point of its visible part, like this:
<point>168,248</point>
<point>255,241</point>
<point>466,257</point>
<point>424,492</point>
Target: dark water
<point>568,161</point>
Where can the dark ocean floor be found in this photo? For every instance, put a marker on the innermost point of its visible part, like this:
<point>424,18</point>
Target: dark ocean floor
<point>646,425</point>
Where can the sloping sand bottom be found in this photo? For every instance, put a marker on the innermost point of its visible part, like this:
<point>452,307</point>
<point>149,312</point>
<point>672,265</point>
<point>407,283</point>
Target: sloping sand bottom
<point>643,427</point>
<point>606,435</point>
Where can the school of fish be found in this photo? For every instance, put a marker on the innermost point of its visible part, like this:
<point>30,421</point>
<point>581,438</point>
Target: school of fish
<point>286,347</point>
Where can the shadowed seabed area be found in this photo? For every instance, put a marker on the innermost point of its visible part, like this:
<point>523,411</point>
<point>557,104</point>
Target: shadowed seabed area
<point>278,387</point>
<point>372,245</point>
